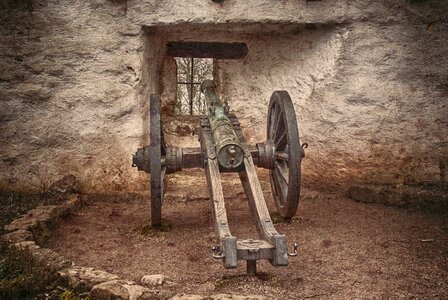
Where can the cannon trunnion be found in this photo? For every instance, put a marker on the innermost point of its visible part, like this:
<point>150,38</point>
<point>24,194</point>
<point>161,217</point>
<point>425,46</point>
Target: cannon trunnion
<point>224,149</point>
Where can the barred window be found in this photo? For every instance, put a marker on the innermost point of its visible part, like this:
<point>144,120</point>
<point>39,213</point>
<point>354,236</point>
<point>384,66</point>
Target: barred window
<point>191,72</point>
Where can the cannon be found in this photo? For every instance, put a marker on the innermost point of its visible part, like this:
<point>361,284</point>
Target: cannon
<point>224,149</point>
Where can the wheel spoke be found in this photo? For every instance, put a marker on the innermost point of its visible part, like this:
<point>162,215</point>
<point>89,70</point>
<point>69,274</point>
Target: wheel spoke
<point>271,123</point>
<point>280,192</point>
<point>277,123</point>
<point>280,141</point>
<point>162,183</point>
<point>282,171</point>
<point>281,155</point>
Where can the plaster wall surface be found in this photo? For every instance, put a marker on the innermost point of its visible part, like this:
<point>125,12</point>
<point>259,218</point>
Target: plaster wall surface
<point>368,81</point>
<point>69,94</point>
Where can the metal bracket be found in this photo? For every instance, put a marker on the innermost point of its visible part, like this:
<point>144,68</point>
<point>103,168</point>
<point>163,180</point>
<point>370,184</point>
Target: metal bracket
<point>295,252</point>
<point>303,147</point>
<point>217,252</point>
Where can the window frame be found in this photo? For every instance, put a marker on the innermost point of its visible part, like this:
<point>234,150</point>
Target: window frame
<point>189,84</point>
<point>192,83</point>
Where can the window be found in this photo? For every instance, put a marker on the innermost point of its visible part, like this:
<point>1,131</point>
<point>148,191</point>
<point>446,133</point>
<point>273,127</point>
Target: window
<point>190,74</point>
<point>195,61</point>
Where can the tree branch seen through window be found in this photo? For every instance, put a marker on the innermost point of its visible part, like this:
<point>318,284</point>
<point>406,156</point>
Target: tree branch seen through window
<point>190,74</point>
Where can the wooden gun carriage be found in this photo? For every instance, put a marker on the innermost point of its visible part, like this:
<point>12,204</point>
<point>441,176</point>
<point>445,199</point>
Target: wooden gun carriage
<point>223,149</point>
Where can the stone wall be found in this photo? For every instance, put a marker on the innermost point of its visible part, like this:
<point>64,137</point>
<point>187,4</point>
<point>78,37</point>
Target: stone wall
<point>70,74</point>
<point>368,81</point>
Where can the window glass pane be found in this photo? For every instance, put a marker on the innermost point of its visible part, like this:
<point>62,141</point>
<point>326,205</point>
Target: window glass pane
<point>183,69</point>
<point>203,69</point>
<point>198,101</point>
<point>183,99</point>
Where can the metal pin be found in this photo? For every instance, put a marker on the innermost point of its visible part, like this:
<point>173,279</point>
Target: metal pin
<point>295,252</point>
<point>217,253</point>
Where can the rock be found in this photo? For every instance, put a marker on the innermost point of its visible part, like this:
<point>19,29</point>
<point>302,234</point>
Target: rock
<point>72,204</point>
<point>237,297</point>
<point>218,297</point>
<point>139,292</point>
<point>309,194</point>
<point>32,229</point>
<point>401,195</point>
<point>153,280</point>
<point>109,290</point>
<point>31,245</point>
<point>82,277</point>
<point>39,220</point>
<point>52,259</point>
<point>206,287</point>
<point>365,194</point>
<point>44,214</point>
<point>121,289</point>
<point>67,185</point>
<point>31,219</point>
<point>187,297</point>
<point>18,236</point>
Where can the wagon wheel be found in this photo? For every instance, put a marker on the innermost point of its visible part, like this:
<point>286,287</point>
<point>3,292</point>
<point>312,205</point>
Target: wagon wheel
<point>283,137</point>
<point>156,152</point>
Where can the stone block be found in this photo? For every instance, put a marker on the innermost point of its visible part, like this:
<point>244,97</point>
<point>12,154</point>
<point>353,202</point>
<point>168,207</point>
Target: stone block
<point>18,236</point>
<point>86,278</point>
<point>121,289</point>
<point>153,280</point>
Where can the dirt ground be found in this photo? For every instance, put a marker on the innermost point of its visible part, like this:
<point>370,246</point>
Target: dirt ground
<point>347,250</point>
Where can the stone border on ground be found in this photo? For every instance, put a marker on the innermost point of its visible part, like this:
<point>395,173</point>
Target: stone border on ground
<point>435,197</point>
<point>33,229</point>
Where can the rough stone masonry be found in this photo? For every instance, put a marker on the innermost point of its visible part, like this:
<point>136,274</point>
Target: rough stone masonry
<point>368,79</point>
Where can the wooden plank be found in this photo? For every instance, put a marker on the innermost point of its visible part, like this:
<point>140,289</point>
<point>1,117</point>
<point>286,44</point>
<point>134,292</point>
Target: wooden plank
<point>259,209</point>
<point>260,213</point>
<point>258,206</point>
<point>227,241</point>
<point>207,50</point>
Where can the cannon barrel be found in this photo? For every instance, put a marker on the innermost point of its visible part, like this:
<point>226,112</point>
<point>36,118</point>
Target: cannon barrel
<point>227,145</point>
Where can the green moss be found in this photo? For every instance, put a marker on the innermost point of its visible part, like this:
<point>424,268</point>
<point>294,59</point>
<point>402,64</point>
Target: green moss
<point>276,218</point>
<point>148,229</point>
<point>70,295</point>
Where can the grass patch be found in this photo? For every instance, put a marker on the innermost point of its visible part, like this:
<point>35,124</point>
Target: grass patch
<point>21,275</point>
<point>14,204</point>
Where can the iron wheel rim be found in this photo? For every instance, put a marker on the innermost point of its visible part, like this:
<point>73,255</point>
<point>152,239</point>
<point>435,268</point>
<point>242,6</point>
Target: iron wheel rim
<point>283,135</point>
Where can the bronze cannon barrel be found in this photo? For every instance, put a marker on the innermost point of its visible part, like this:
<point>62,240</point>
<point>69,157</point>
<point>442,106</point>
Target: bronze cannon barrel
<point>228,148</point>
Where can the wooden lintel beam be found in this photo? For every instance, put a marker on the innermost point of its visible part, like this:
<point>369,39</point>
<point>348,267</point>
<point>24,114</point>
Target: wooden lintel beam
<point>207,50</point>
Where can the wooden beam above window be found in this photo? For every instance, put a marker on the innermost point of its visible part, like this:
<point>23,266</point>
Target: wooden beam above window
<point>207,50</point>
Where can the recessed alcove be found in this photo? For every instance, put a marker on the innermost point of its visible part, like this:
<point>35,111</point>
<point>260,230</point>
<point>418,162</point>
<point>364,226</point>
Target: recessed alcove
<point>265,57</point>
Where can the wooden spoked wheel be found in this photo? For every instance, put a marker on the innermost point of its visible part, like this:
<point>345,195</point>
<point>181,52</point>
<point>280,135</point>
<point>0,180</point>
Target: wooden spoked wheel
<point>283,137</point>
<point>156,152</point>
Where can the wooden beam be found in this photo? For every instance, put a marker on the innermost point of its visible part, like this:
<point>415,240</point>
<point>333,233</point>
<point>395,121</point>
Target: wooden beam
<point>207,50</point>
<point>227,241</point>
